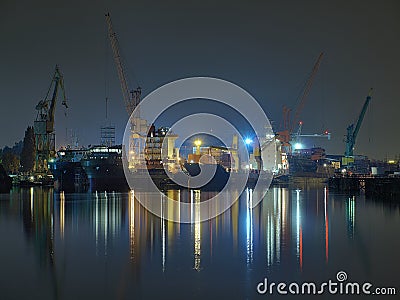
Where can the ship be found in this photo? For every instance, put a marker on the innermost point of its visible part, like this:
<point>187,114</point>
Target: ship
<point>103,164</point>
<point>310,163</point>
<point>104,168</point>
<point>218,180</point>
<point>220,164</point>
<point>67,170</point>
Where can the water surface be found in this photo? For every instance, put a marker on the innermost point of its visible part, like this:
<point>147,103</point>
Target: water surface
<point>106,246</point>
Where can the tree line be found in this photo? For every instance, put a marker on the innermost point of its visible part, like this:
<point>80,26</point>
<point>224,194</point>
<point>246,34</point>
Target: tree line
<point>21,157</point>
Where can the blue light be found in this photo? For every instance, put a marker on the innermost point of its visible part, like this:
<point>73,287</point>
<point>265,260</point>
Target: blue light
<point>298,146</point>
<point>248,141</point>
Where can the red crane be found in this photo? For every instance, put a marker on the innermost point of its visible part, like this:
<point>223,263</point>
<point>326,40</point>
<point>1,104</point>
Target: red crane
<point>285,136</point>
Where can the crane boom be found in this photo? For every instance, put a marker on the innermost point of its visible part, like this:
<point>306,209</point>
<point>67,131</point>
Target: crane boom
<point>353,132</point>
<point>306,91</point>
<point>285,136</point>
<point>44,123</point>
<point>131,98</point>
<point>58,81</point>
<point>46,107</point>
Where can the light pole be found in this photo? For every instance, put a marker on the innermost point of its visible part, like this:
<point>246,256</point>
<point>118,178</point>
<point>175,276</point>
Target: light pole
<point>197,143</point>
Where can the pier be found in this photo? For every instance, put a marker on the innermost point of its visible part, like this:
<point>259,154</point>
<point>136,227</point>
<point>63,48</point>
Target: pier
<point>386,187</point>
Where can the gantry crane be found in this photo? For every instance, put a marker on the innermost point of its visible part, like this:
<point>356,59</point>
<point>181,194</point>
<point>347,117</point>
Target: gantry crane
<point>353,132</point>
<point>287,134</point>
<point>44,123</point>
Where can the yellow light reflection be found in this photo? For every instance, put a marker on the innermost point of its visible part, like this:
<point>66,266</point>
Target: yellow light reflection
<point>96,220</point>
<point>173,213</point>
<point>106,219</point>
<point>62,214</point>
<point>197,231</point>
<point>31,196</point>
<point>269,230</point>
<point>132,224</point>
<point>235,225</point>
<point>105,223</point>
<point>326,224</point>
<point>299,231</point>
<point>285,204</point>
<point>163,234</point>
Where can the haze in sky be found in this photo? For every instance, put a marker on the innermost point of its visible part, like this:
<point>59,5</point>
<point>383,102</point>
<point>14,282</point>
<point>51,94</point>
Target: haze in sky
<point>266,47</point>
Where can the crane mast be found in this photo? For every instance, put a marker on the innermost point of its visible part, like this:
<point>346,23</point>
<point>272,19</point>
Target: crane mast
<point>131,98</point>
<point>44,123</point>
<point>306,90</point>
<point>287,134</point>
<point>352,132</point>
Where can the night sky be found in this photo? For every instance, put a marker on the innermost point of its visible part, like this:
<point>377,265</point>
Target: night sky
<point>266,47</point>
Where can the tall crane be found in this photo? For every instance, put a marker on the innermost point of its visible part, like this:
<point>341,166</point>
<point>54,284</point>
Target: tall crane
<point>131,97</point>
<point>306,91</point>
<point>353,132</point>
<point>44,123</point>
<point>285,136</point>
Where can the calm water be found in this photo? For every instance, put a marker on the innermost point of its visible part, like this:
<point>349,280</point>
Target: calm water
<point>106,246</point>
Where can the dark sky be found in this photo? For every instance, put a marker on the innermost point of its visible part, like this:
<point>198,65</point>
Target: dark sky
<point>266,47</point>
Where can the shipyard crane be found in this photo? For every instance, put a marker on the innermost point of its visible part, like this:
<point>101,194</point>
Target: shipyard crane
<point>131,97</point>
<point>352,132</point>
<point>306,91</point>
<point>296,136</point>
<point>44,123</point>
<point>287,134</point>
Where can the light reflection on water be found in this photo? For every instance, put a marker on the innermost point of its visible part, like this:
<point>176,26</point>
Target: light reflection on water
<point>106,245</point>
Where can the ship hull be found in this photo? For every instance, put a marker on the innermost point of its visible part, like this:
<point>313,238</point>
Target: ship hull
<point>216,183</point>
<point>69,176</point>
<point>105,175</point>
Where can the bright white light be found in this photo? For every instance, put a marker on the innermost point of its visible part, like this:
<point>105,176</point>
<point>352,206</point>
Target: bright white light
<point>298,146</point>
<point>197,143</point>
<point>248,141</point>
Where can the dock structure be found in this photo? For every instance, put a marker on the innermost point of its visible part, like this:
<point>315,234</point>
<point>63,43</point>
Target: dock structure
<point>345,183</point>
<point>386,187</point>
